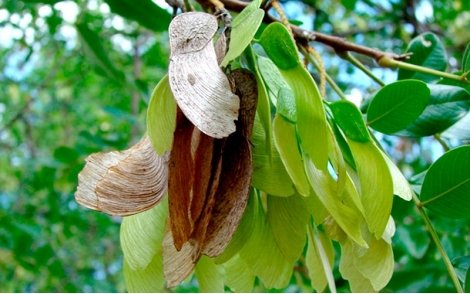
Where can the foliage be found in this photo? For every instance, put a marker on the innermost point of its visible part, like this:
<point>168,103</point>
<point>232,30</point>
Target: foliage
<point>66,96</point>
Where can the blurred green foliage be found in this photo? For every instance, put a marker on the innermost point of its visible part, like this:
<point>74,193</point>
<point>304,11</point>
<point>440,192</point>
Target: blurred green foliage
<point>76,77</point>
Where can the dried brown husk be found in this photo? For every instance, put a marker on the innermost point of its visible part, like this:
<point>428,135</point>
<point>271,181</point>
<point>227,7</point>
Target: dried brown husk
<point>123,183</point>
<point>200,87</point>
<point>177,264</point>
<point>233,189</point>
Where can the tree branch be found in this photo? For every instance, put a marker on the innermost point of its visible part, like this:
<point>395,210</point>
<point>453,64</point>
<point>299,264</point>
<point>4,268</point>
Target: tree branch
<point>305,36</point>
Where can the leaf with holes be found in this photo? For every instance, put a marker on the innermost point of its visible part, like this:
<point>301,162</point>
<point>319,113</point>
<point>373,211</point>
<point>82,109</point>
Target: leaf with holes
<point>428,51</point>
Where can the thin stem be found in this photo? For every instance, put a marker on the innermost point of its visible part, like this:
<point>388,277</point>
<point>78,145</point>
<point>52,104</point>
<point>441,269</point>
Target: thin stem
<point>435,238</point>
<point>329,80</point>
<point>442,142</point>
<point>354,61</point>
<point>392,63</point>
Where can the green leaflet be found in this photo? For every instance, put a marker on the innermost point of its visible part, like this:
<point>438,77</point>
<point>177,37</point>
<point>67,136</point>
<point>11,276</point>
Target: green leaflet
<point>319,260</point>
<point>311,121</point>
<point>269,173</point>
<point>401,187</point>
<point>446,187</point>
<point>288,219</point>
<point>238,275</point>
<point>244,28</point>
<point>348,217</point>
<point>263,255</point>
<point>142,235</point>
<point>243,232</point>
<point>447,105</point>
<point>397,105</point>
<point>428,51</point>
<point>161,117</point>
<point>376,185</point>
<point>286,142</point>
<point>271,76</point>
<point>150,279</point>
<point>349,119</point>
<point>209,275</point>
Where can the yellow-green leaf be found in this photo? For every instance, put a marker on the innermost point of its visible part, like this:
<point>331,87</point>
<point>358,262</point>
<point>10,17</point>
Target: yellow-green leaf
<point>161,117</point>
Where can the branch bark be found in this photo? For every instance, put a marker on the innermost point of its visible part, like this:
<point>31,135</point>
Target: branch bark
<point>304,36</point>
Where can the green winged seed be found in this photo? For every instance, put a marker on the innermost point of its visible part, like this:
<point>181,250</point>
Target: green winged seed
<point>280,47</point>
<point>286,143</point>
<point>286,104</point>
<point>161,117</point>
<point>349,119</point>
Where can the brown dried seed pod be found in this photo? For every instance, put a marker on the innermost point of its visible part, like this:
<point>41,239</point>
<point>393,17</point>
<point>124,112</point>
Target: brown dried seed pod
<point>200,87</point>
<point>123,183</point>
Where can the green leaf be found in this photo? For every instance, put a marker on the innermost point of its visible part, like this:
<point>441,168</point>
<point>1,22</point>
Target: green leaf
<point>466,59</point>
<point>147,280</point>
<point>271,76</point>
<point>145,12</point>
<point>319,260</point>
<point>286,143</point>
<point>461,265</point>
<point>349,119</point>
<point>244,28</point>
<point>142,235</point>
<point>397,105</point>
<point>446,187</point>
<point>459,130</point>
<point>238,275</point>
<point>376,185</point>
<point>269,173</point>
<point>346,214</point>
<point>467,281</point>
<point>288,218</point>
<point>94,48</point>
<point>161,117</point>
<point>209,276</point>
<point>66,154</point>
<point>280,47</point>
<point>264,256</point>
<point>447,105</point>
<point>428,51</point>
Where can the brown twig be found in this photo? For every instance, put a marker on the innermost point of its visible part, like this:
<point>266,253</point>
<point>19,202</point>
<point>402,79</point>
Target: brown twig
<point>304,36</point>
